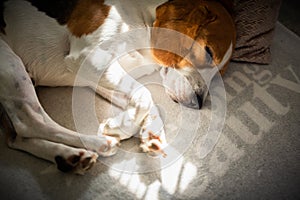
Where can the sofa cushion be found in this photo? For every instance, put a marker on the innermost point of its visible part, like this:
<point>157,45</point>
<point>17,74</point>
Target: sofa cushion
<point>255,22</point>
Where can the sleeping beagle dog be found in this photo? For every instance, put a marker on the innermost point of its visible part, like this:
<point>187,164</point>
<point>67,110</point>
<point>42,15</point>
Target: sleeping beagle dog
<point>45,42</point>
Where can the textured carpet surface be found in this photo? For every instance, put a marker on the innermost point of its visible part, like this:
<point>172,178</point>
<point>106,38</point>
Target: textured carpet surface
<point>257,155</point>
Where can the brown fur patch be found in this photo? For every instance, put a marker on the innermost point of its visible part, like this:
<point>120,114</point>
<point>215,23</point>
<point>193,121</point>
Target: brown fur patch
<point>152,136</point>
<point>154,147</point>
<point>207,23</point>
<point>87,16</point>
<point>64,165</point>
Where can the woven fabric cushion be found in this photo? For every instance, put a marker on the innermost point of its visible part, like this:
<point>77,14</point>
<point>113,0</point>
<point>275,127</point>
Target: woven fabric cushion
<point>255,21</point>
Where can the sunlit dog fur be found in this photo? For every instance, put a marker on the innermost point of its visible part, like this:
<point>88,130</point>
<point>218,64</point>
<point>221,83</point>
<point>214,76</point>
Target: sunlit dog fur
<point>50,47</point>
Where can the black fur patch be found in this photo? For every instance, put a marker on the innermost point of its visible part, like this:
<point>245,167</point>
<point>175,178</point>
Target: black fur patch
<point>57,9</point>
<point>63,165</point>
<point>2,22</point>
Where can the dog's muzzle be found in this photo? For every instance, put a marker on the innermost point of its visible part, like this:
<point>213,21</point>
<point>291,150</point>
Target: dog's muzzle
<point>189,93</point>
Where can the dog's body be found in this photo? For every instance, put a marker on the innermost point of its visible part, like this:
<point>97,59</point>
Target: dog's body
<point>49,45</point>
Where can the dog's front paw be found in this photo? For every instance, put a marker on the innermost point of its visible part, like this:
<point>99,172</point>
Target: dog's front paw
<point>122,126</point>
<point>152,134</point>
<point>153,144</point>
<point>111,148</point>
<point>102,144</point>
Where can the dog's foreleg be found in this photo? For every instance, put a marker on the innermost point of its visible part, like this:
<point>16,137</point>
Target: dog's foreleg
<point>117,86</point>
<point>141,114</point>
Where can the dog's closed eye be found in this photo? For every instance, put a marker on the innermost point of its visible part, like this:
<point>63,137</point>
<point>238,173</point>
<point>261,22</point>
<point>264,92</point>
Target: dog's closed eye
<point>208,55</point>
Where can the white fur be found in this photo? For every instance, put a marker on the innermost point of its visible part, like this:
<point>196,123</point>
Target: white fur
<point>39,41</point>
<point>52,57</point>
<point>49,51</point>
<point>122,18</point>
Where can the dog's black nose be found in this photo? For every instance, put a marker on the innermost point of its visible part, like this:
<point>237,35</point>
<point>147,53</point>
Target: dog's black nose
<point>199,100</point>
<point>194,105</point>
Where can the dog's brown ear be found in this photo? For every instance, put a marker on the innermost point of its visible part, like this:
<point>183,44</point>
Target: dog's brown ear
<point>186,18</point>
<point>165,11</point>
<point>192,12</point>
<point>229,5</point>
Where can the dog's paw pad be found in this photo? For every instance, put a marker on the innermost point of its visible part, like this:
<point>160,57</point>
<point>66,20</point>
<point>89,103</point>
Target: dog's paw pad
<point>78,163</point>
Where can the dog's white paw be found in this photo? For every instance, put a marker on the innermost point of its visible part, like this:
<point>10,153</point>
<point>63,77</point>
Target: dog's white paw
<point>102,144</point>
<point>111,148</point>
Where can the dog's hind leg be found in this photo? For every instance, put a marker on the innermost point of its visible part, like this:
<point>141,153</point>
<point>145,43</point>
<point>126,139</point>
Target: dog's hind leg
<point>66,158</point>
<point>18,97</point>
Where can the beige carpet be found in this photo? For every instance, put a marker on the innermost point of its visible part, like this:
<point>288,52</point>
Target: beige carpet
<point>257,154</point>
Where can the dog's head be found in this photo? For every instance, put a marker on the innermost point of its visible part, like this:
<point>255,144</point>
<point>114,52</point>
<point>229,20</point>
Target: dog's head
<point>191,37</point>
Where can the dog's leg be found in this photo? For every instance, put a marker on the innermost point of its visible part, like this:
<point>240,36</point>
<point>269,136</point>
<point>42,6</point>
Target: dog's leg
<point>66,158</point>
<point>141,114</point>
<point>124,91</point>
<point>18,97</point>
<point>137,64</point>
